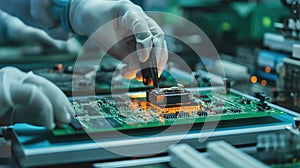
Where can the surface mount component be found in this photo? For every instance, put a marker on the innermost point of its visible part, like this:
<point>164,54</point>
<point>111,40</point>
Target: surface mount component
<point>169,97</point>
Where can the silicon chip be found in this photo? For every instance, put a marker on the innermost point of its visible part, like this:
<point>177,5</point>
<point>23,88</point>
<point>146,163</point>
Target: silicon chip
<point>103,123</point>
<point>168,116</point>
<point>202,113</point>
<point>169,97</point>
<point>182,114</point>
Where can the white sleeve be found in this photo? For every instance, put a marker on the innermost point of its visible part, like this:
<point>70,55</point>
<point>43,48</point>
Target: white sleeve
<point>37,14</point>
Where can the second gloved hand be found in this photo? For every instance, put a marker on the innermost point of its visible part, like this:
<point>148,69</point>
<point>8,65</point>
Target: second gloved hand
<point>17,32</point>
<point>142,34</point>
<point>28,98</point>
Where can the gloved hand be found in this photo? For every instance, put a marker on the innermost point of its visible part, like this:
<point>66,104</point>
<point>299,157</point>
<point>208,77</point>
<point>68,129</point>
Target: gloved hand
<point>25,97</point>
<point>17,31</point>
<point>86,16</point>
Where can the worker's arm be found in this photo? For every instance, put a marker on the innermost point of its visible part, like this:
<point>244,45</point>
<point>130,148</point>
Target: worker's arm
<point>84,17</point>
<point>13,30</point>
<point>36,13</point>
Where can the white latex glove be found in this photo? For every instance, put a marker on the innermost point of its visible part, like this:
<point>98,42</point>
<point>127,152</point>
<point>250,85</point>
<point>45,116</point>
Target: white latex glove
<point>86,16</point>
<point>28,98</point>
<point>17,31</point>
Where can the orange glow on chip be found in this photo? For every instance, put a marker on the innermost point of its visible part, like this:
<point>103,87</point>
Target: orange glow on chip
<point>188,109</point>
<point>143,104</point>
<point>137,95</point>
<point>160,98</point>
<point>264,82</point>
<point>267,69</point>
<point>253,79</point>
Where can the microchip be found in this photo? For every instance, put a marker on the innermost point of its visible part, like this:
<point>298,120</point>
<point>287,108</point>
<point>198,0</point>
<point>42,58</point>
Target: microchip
<point>236,110</point>
<point>263,106</point>
<point>168,116</point>
<point>200,96</point>
<point>244,101</point>
<point>86,107</point>
<point>169,97</point>
<point>218,104</point>
<point>92,111</point>
<point>206,101</point>
<point>103,123</point>
<point>202,113</point>
<point>218,111</point>
<point>106,110</point>
<point>182,114</point>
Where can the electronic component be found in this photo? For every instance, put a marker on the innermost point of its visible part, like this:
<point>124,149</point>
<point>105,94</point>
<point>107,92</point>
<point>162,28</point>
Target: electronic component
<point>202,113</point>
<point>169,97</point>
<point>227,84</point>
<point>262,105</point>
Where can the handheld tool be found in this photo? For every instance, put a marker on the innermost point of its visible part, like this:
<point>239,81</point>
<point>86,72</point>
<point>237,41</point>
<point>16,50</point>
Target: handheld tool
<point>149,71</point>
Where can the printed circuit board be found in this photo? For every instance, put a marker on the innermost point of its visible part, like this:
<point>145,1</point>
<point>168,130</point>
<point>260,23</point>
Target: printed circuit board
<point>159,108</point>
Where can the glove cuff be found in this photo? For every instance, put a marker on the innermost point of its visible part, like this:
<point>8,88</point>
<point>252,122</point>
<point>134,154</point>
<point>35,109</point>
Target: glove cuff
<point>60,10</point>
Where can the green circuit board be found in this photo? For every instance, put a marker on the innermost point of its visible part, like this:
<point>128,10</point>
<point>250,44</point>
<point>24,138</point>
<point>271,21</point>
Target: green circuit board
<point>102,114</point>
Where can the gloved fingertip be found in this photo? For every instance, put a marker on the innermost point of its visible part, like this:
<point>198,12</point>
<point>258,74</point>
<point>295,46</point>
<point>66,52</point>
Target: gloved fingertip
<point>72,113</point>
<point>64,118</point>
<point>49,125</point>
<point>45,118</point>
<point>160,70</point>
<point>68,118</point>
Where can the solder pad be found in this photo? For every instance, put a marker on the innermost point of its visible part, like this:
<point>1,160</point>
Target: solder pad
<point>104,114</point>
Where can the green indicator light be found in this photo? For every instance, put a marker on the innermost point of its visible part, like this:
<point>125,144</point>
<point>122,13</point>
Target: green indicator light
<point>226,26</point>
<point>266,21</point>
